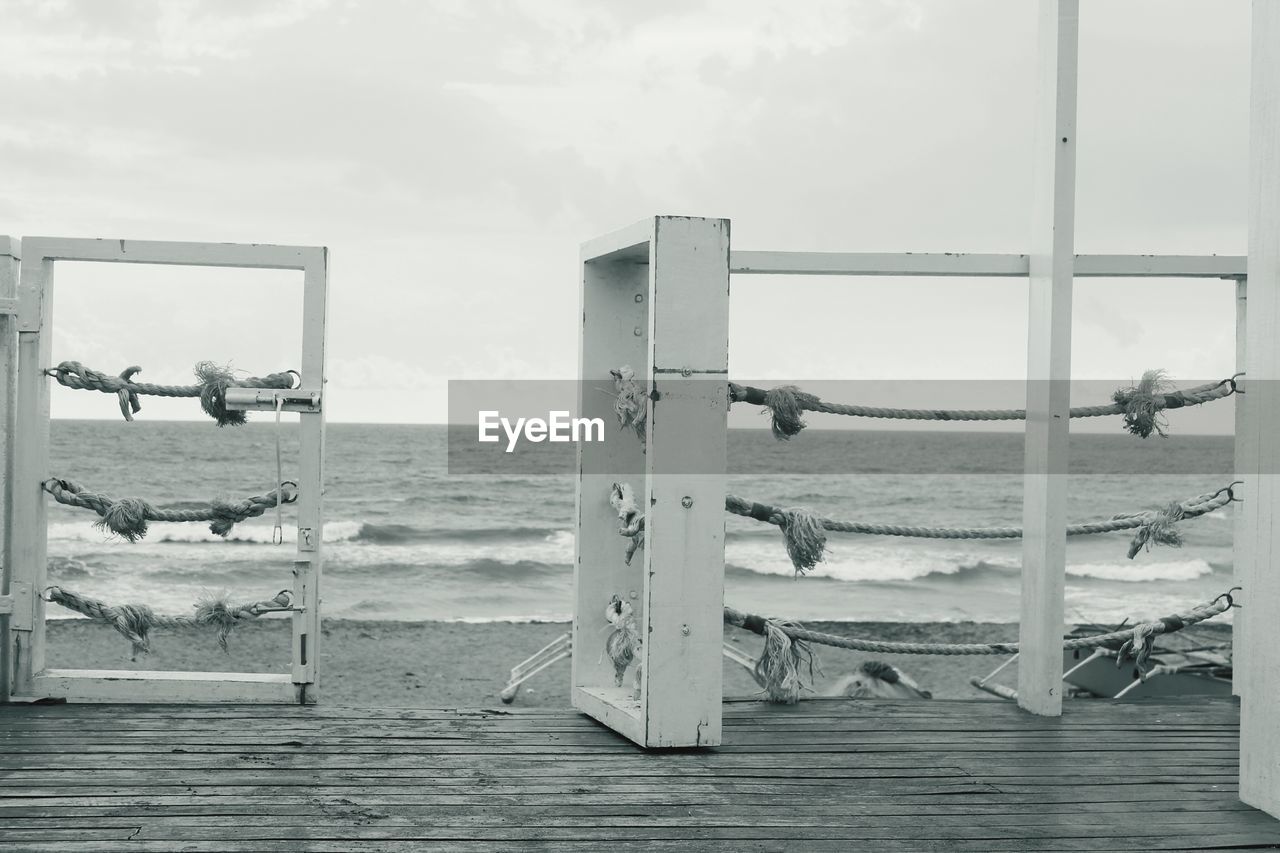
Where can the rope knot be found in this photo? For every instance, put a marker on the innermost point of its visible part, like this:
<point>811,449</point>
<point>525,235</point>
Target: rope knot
<point>632,404</point>
<point>1139,646</point>
<point>630,521</point>
<point>624,642</point>
<point>216,612</point>
<point>226,514</point>
<point>127,517</point>
<point>1158,529</point>
<point>787,404</point>
<point>1142,404</point>
<point>214,381</point>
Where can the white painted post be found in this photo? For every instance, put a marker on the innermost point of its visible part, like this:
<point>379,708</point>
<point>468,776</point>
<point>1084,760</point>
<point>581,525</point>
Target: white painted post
<point>1260,690</point>
<point>1246,465</point>
<point>10,258</point>
<point>308,565</point>
<point>1049,364</point>
<point>656,297</point>
<point>25,553</point>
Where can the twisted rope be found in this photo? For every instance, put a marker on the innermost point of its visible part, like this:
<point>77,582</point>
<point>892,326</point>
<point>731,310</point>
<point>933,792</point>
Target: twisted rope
<point>135,621</point>
<point>214,381</point>
<point>805,531</point>
<point>128,517</point>
<point>1140,405</point>
<point>779,662</point>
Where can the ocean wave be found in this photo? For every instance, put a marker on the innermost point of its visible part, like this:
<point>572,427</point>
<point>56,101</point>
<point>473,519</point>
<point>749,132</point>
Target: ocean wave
<point>902,565</point>
<point>391,534</point>
<point>1174,570</point>
<point>195,532</point>
<point>870,563</point>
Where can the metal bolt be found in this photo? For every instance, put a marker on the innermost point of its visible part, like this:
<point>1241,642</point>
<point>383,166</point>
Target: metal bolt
<point>686,502</point>
<point>637,331</point>
<point>639,297</point>
<point>684,629</point>
<point>633,595</point>
<point>686,372</point>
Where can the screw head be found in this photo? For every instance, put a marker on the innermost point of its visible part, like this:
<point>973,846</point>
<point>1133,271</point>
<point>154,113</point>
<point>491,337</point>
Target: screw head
<point>639,297</point>
<point>684,629</point>
<point>637,331</point>
<point>686,372</point>
<point>632,594</point>
<point>686,502</point>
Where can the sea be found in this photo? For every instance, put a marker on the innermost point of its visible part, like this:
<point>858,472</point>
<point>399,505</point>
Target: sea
<point>405,539</point>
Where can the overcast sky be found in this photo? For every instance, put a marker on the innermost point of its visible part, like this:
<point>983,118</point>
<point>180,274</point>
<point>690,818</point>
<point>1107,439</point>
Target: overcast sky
<point>453,155</point>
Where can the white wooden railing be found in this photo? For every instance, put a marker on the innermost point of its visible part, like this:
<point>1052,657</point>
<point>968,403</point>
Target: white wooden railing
<point>655,297</point>
<point>25,349</point>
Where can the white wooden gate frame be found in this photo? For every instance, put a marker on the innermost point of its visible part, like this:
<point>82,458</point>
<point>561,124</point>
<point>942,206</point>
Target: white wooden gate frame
<point>669,323</point>
<point>24,675</point>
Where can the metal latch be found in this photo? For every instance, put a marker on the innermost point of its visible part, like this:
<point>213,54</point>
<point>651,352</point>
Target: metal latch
<point>265,399</point>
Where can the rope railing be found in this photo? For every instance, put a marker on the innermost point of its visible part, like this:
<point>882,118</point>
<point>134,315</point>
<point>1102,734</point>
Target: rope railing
<point>214,380</point>
<point>135,621</point>
<point>786,652</point>
<point>805,532</point>
<point>1141,405</point>
<point>129,517</point>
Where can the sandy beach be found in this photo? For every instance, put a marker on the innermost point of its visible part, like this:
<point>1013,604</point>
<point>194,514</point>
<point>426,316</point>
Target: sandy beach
<point>460,664</point>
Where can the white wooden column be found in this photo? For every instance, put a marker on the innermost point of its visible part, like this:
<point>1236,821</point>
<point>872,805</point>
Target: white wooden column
<point>26,546</point>
<point>1245,455</point>
<point>1260,695</point>
<point>655,297</point>
<point>308,564</point>
<point>10,258</point>
<point>1044,541</point>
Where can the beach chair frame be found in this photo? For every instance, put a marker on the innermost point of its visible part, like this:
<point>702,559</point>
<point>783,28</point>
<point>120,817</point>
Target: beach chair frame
<point>27,348</point>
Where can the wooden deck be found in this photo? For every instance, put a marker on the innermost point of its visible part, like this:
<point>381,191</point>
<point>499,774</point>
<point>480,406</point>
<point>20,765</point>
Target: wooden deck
<point>825,775</point>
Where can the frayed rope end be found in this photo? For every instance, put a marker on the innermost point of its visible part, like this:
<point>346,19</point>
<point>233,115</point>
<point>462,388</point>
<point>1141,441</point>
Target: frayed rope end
<point>1141,413</point>
<point>778,670</point>
<point>214,380</point>
<point>805,537</point>
<point>631,405</point>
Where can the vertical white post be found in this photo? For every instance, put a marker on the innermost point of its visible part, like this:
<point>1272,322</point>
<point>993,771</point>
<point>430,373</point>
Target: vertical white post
<point>1260,695</point>
<point>308,565</point>
<point>25,556</point>
<point>1245,467</point>
<point>1049,363</point>
<point>10,258</point>
<point>686,461</point>
<point>655,297</point>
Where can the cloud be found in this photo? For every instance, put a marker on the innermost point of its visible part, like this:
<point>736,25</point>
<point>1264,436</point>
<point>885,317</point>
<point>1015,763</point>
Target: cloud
<point>68,39</point>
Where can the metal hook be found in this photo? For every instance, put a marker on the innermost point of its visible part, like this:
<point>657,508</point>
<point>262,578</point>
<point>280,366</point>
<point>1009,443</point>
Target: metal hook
<point>1235,386</point>
<point>1231,602</point>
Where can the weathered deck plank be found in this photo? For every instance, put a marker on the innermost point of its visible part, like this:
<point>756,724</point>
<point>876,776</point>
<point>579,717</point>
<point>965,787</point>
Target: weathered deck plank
<point>823,775</point>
